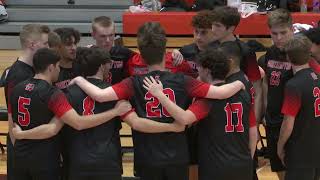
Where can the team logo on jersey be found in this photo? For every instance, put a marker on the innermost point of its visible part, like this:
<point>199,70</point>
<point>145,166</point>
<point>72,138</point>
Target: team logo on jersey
<point>116,64</point>
<point>29,87</point>
<point>108,78</point>
<point>279,65</point>
<point>314,76</point>
<point>140,70</point>
<point>157,77</point>
<point>63,84</point>
<point>192,65</point>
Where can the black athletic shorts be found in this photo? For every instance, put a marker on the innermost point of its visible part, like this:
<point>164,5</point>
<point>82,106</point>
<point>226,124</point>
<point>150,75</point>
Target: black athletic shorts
<point>192,136</point>
<point>302,174</point>
<point>230,173</point>
<point>94,176</point>
<point>273,133</point>
<point>169,172</point>
<point>29,173</point>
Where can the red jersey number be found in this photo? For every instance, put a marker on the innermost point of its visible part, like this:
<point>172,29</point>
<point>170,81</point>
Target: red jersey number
<point>230,109</point>
<point>152,106</point>
<point>275,78</point>
<point>316,93</point>
<point>88,105</point>
<point>108,78</point>
<point>24,115</point>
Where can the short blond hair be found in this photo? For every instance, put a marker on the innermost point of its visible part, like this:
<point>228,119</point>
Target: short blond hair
<point>279,17</point>
<point>298,50</point>
<point>54,40</point>
<point>32,32</point>
<point>102,21</point>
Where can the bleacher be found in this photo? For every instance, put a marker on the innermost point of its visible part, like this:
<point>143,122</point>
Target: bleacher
<point>58,13</point>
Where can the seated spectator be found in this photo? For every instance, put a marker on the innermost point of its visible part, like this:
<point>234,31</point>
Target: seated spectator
<point>3,12</point>
<point>174,5</point>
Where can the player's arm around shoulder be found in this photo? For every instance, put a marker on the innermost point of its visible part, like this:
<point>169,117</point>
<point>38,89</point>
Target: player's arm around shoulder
<point>73,119</point>
<point>149,126</point>
<point>224,91</point>
<point>44,131</point>
<point>100,95</point>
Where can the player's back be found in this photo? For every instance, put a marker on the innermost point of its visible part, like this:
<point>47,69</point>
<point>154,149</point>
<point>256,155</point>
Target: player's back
<point>303,140</point>
<point>96,148</point>
<point>31,101</point>
<point>17,73</point>
<point>224,134</point>
<point>160,148</point>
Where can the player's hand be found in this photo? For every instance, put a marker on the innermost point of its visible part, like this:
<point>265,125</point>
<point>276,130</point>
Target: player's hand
<point>75,80</point>
<point>177,57</point>
<point>16,131</point>
<point>243,87</point>
<point>122,107</point>
<point>281,154</point>
<point>177,127</point>
<point>155,87</point>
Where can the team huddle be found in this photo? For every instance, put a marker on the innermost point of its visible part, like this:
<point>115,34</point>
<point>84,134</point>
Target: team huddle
<point>199,105</point>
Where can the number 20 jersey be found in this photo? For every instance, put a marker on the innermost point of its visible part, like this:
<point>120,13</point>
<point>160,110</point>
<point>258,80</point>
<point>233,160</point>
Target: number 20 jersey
<point>160,148</point>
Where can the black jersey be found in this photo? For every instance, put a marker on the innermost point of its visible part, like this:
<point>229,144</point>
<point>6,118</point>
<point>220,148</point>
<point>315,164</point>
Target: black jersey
<point>96,149</point>
<point>65,76</point>
<point>224,132</point>
<point>301,100</point>
<point>248,63</point>
<point>160,148</point>
<point>278,71</point>
<point>18,72</point>
<point>190,53</point>
<point>119,56</point>
<point>36,102</point>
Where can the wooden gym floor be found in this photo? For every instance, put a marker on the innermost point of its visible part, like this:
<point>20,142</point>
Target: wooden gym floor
<point>7,57</point>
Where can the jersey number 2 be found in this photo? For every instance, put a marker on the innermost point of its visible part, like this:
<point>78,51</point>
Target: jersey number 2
<point>152,106</point>
<point>24,118</point>
<point>316,93</point>
<point>88,105</point>
<point>230,109</point>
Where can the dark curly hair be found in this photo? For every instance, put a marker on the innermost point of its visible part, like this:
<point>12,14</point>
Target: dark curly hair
<point>67,33</point>
<point>314,35</point>
<point>228,16</point>
<point>203,19</point>
<point>89,60</point>
<point>216,61</point>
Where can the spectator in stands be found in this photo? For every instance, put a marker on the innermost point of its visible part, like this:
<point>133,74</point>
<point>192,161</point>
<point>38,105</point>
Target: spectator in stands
<point>3,12</point>
<point>174,5</point>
